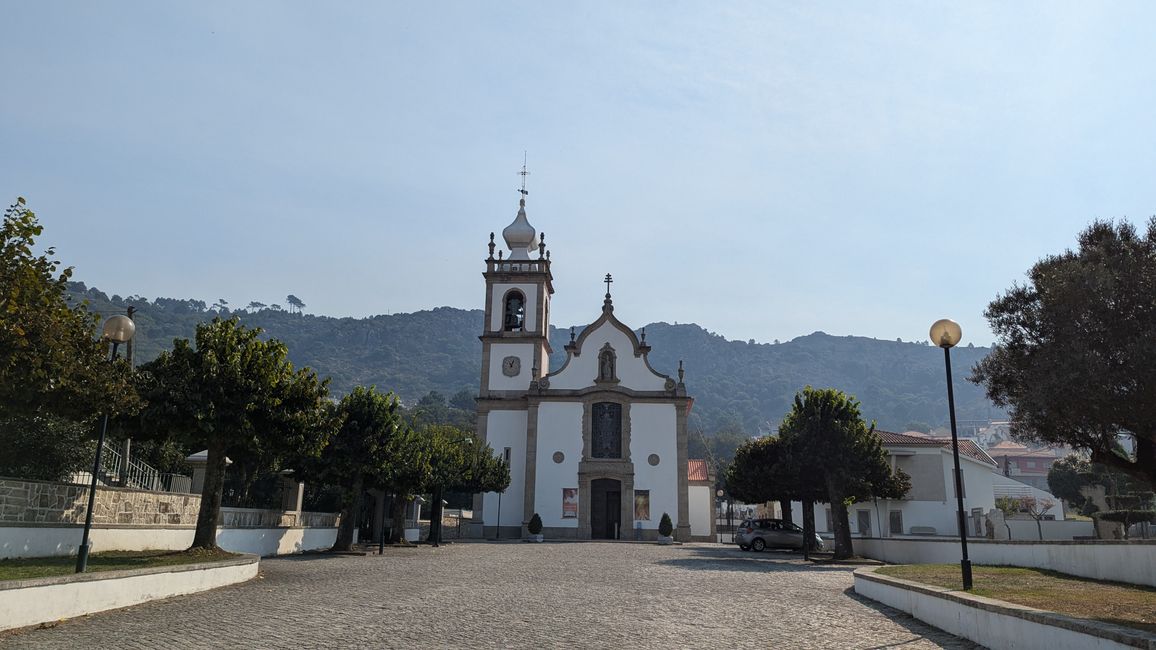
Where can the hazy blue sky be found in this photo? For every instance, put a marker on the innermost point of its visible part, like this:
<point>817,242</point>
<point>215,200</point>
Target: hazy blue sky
<point>765,170</point>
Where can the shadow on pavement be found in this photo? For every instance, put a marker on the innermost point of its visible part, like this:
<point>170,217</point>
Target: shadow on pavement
<point>732,559</point>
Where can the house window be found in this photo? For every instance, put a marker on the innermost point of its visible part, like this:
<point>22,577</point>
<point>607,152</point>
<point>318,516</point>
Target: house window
<point>606,430</point>
<point>895,522</point>
<point>515,312</point>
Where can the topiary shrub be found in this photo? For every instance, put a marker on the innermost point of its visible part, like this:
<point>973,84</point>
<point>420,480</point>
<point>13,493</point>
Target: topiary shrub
<point>1127,517</point>
<point>535,525</point>
<point>665,527</point>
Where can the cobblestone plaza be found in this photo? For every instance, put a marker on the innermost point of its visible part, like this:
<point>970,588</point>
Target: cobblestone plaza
<point>500,595</point>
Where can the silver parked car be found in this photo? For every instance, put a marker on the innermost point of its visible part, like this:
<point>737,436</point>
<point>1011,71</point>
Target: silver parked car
<point>759,534</point>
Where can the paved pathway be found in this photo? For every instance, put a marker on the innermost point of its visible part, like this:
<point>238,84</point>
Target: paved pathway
<point>482,595</point>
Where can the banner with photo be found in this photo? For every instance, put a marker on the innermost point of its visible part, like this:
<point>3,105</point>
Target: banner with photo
<point>569,503</point>
<point>642,505</point>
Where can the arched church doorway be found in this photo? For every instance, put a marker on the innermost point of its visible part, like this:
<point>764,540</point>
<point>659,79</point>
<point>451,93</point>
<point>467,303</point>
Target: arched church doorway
<point>605,508</point>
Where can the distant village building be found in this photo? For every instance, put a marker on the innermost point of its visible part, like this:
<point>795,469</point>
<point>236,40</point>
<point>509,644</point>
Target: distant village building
<point>598,447</point>
<point>930,508</point>
<point>1026,465</point>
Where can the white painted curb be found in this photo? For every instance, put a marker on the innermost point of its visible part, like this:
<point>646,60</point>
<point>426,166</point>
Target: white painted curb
<point>43,600</point>
<point>995,623</point>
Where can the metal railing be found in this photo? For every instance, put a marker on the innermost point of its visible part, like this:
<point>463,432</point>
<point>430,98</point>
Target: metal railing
<point>115,471</point>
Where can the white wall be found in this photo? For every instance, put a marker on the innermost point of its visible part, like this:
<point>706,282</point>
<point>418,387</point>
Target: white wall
<point>993,625</point>
<point>59,598</point>
<point>44,541</point>
<point>521,381</point>
<point>653,430</point>
<point>701,509</point>
<point>1120,561</point>
<point>583,370</point>
<point>498,312</point>
<point>1026,530</point>
<point>507,429</point>
<point>559,429</point>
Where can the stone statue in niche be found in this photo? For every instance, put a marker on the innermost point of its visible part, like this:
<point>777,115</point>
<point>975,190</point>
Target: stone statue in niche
<point>606,362</point>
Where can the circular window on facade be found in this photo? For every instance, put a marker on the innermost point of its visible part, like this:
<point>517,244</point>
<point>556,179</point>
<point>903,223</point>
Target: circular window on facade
<point>652,459</point>
<point>559,457</point>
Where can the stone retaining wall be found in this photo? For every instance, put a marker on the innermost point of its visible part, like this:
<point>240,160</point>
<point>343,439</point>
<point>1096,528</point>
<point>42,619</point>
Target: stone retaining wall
<point>43,502</point>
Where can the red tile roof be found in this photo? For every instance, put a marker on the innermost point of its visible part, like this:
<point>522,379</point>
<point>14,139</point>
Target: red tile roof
<point>966,447</point>
<point>696,470</point>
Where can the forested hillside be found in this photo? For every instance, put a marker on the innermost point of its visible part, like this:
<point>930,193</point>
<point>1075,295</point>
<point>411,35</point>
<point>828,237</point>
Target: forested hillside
<point>736,384</point>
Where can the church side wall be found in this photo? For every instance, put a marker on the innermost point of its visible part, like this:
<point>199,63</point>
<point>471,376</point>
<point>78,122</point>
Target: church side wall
<point>653,431</point>
<point>498,380</point>
<point>497,299</point>
<point>507,429</point>
<point>583,370</point>
<point>559,429</point>
<point>701,510</point>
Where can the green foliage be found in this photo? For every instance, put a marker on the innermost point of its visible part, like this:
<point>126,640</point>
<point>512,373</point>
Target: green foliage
<point>360,450</point>
<point>665,525</point>
<point>50,359</point>
<point>45,447</point>
<point>1007,505</point>
<point>459,462</point>
<point>1074,361</point>
<point>237,396</point>
<point>1127,517</point>
<point>433,409</point>
<point>831,444</point>
<point>535,525</point>
<point>1067,476</point>
<point>739,387</point>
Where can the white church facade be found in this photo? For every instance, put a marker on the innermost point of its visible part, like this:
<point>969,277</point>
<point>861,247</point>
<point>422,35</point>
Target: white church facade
<point>598,447</point>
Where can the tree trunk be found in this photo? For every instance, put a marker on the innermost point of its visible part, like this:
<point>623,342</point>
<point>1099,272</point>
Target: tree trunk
<point>349,516</point>
<point>1040,528</point>
<point>808,529</point>
<point>840,524</point>
<point>435,517</point>
<point>399,504</point>
<point>785,505</point>
<point>210,513</point>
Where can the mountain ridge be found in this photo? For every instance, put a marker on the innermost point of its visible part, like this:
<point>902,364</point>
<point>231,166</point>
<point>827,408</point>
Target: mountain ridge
<point>737,385</point>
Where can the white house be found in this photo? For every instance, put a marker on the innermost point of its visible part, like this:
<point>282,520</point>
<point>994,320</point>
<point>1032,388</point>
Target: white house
<point>930,506</point>
<point>598,447</point>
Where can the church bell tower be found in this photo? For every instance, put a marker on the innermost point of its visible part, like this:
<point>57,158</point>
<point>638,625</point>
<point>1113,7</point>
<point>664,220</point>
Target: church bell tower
<point>515,337</point>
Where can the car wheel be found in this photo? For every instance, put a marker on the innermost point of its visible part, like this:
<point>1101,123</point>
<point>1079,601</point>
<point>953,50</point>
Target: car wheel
<point>757,544</point>
<point>744,547</point>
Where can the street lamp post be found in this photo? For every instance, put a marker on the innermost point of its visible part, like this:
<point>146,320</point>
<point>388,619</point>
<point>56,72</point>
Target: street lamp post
<point>117,329</point>
<point>946,334</point>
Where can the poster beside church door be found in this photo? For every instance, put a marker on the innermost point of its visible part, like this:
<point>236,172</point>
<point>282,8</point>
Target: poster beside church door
<point>569,503</point>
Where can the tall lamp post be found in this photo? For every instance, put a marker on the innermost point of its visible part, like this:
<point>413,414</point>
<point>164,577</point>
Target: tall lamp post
<point>946,334</point>
<point>117,329</point>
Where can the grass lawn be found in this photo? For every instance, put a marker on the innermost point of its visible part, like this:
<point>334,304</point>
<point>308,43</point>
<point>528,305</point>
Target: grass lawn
<point>43,567</point>
<point>1109,602</point>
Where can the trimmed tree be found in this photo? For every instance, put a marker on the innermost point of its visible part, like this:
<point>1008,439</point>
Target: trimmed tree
<point>832,443</point>
<point>665,526</point>
<point>1074,363</point>
<point>459,462</point>
<point>234,395</point>
<point>357,454</point>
